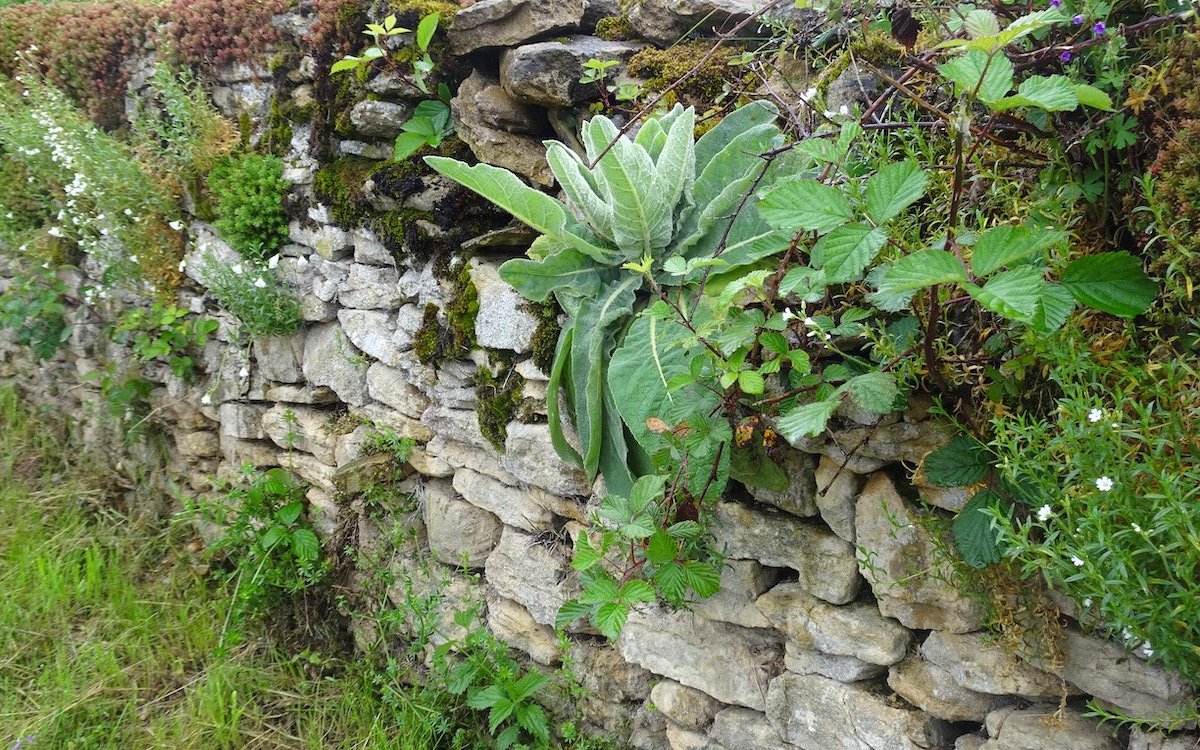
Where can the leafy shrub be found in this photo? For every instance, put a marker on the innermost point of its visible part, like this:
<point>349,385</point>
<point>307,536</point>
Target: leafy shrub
<point>34,307</point>
<point>250,190</point>
<point>255,296</point>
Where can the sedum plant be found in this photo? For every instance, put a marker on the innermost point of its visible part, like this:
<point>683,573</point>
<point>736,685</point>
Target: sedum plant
<point>641,214</point>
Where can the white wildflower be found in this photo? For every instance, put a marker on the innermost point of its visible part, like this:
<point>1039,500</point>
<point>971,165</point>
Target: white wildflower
<point>273,262</point>
<point>1104,484</point>
<point>1095,415</point>
<point>788,314</point>
<point>54,232</point>
<point>244,372</point>
<point>133,259</point>
<point>206,399</point>
<point>1076,561</point>
<point>1044,513</point>
<point>237,268</point>
<point>1087,602</point>
<point>259,283</point>
<point>176,225</point>
<point>1137,528</point>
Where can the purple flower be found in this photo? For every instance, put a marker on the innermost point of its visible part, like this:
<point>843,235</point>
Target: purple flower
<point>1055,3</point>
<point>1065,55</point>
<point>1077,20</point>
<point>1099,28</point>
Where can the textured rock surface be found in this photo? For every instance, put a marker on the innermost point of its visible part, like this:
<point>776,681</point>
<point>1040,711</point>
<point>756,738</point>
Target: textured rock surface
<point>746,730</point>
<point>459,533</point>
<point>685,706</point>
<point>547,73</point>
<point>742,581</point>
<point>376,119</point>
<point>825,563</point>
<point>976,664</point>
<point>513,624</point>
<point>504,23</point>
<point>729,663</point>
<point>800,498</point>
<point>836,496</point>
<point>664,21</point>
<point>535,576</point>
<point>856,630</point>
<point>479,103</point>
<point>932,689</point>
<point>530,457</point>
<point>504,321</point>
<point>327,361</point>
<point>1045,727</point>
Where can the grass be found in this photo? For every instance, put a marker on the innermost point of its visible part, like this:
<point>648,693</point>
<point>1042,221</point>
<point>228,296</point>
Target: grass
<point>110,627</point>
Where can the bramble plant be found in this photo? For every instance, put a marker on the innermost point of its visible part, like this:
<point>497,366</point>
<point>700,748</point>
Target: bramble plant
<point>34,307</point>
<point>166,333</point>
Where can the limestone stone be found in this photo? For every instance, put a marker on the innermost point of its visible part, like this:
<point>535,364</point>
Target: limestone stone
<point>512,623</point>
<point>977,664</point>
<point>460,455</point>
<point>665,21</point>
<point>329,360</point>
<point>408,322</point>
<point>503,321</point>
<point>328,241</point>
<point>899,559</point>
<point>394,86</point>
<point>841,668</point>
<point>512,505</point>
<point>323,511</point>
<point>523,154</point>
<point>310,469</point>
<point>799,498</point>
<point>428,465</point>
<point>684,706</point>
<point>1140,739</point>
<point>743,729</point>
<point>385,417</point>
<point>279,357</point>
<point>237,99</point>
<point>302,394</point>
<point>459,533</point>
<point>506,23</point>
<point>530,457</point>
<point>817,713</point>
<point>932,689</point>
<point>301,428</point>
<point>377,119</point>
<point>448,592</point>
<point>534,575</point>
<point>1104,669</point>
<point>259,453</point>
<point>202,444</point>
<point>351,446</point>
<point>970,742</point>
<point>370,331</point>
<point>369,250</point>
<point>825,563</point>
<point>856,630</point>
<point>420,286</point>
<point>949,498</point>
<point>242,421</point>
<point>606,675</point>
<point>729,663</point>
<point>456,425</point>
<point>836,496</point>
<point>370,288</point>
<point>681,738</point>
<point>390,386</point>
<point>547,73</point>
<point>900,441</point>
<point>742,581</point>
<point>1042,727</point>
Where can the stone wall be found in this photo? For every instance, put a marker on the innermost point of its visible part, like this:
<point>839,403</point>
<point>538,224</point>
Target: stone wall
<point>835,627</point>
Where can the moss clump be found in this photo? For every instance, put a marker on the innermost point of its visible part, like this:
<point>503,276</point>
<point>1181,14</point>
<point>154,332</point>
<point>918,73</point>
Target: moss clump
<point>615,29</point>
<point>277,134</point>
<point>427,342</point>
<point>662,67</point>
<point>545,336</point>
<point>339,184</point>
<point>497,399</point>
<point>435,341</point>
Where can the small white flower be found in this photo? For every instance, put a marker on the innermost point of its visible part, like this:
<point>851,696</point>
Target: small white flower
<point>808,321</point>
<point>176,225</point>
<point>182,265</point>
<point>788,314</point>
<point>273,262</point>
<point>206,399</point>
<point>1076,561</point>
<point>1116,425</point>
<point>133,259</point>
<point>1044,513</point>
<point>1087,602</point>
<point>46,265</point>
<point>244,372</point>
<point>129,212</point>
<point>259,283</point>
<point>54,232</point>
<point>237,268</point>
<point>1095,415</point>
<point>1137,528</point>
<point>1104,484</point>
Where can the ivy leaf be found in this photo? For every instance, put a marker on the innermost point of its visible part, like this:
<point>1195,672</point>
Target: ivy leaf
<point>610,618</point>
<point>1112,282</point>
<point>808,420</point>
<point>974,533</point>
<point>874,391</point>
<point>961,462</point>
<point>569,612</point>
<point>1051,93</point>
<point>967,72</point>
<point>922,269</point>
<point>1000,246</point>
<point>1013,294</point>
<point>846,251</point>
<point>805,204</point>
<point>895,188</point>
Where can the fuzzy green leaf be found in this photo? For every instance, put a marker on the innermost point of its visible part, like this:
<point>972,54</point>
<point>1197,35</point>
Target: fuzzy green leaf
<point>874,391</point>
<point>610,618</point>
<point>1090,96</point>
<point>846,251</point>
<point>1051,93</point>
<point>1006,244</point>
<point>305,545</point>
<point>974,533</point>
<point>972,72</point>
<point>1112,282</point>
<point>662,548</point>
<point>1013,294</point>
<point>571,611</point>
<point>893,189</point>
<point>808,420</point>
<point>805,204</point>
<point>961,462</point>
<point>922,269</point>
<point>1054,307</point>
<point>563,269</point>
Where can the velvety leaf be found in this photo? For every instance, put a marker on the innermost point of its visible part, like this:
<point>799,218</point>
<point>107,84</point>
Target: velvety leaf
<point>1013,294</point>
<point>1001,246</point>
<point>1112,282</point>
<point>972,72</point>
<point>566,268</point>
<point>974,533</point>
<point>960,462</point>
<point>735,123</point>
<point>922,269</point>
<point>1054,307</point>
<point>807,420</point>
<point>874,391</point>
<point>581,189</point>
<point>1051,93</point>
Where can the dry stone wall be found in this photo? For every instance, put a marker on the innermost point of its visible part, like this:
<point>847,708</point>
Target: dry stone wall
<point>836,627</point>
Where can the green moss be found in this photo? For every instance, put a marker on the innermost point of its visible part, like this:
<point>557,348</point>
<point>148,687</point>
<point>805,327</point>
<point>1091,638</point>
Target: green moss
<point>427,342</point>
<point>339,184</point>
<point>615,29</point>
<point>418,9</point>
<point>461,311</point>
<point>662,67</point>
<point>277,135</point>
<point>245,129</point>
<point>497,399</point>
<point>545,337</point>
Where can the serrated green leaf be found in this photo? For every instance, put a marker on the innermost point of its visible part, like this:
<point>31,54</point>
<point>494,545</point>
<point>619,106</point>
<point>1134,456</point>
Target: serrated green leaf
<point>703,578</point>
<point>980,22</point>
<point>962,461</point>
<point>893,189</point>
<point>808,283</point>
<point>1112,282</point>
<point>672,582</point>
<point>1013,294</point>
<point>972,72</point>
<point>598,587</point>
<point>808,420</point>
<point>305,545</point>
<point>775,342</point>
<point>585,555</point>
<point>975,535</point>
<point>610,618</point>
<point>751,382</point>
<point>846,251</point>
<point>569,612</point>
<point>662,548</point>
<point>1051,93</point>
<point>636,591</point>
<point>1054,307</point>
<point>874,391</point>
<point>485,697</point>
<point>1090,96</point>
<point>1001,246</point>
<point>805,204</point>
<point>922,269</point>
